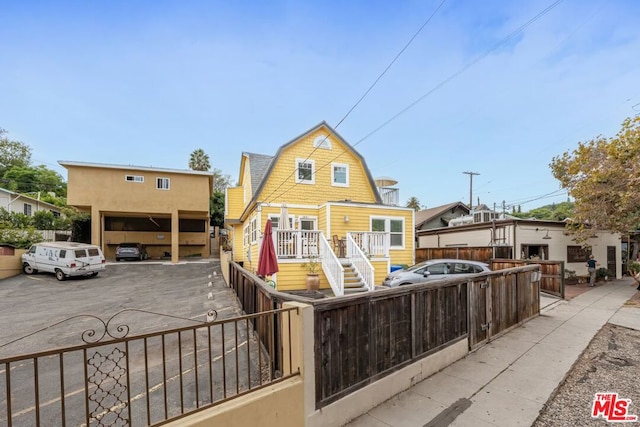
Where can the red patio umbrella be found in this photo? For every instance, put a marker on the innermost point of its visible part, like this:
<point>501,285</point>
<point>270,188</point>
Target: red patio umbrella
<point>268,261</point>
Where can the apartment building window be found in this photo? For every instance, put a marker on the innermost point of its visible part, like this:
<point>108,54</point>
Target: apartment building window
<point>27,209</point>
<point>162,183</point>
<point>394,226</point>
<point>134,178</point>
<point>339,175</point>
<point>305,171</point>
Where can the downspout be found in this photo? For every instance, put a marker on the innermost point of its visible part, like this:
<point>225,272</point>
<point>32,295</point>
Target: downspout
<point>514,240</point>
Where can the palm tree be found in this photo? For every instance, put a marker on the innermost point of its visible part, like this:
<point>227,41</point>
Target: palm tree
<point>414,203</point>
<point>199,160</point>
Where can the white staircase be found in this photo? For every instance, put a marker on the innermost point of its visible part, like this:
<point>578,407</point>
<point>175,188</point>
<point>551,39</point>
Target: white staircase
<point>352,281</point>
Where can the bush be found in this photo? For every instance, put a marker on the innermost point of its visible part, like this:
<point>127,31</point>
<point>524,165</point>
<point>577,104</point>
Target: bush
<point>21,239</point>
<point>634,268</point>
<point>602,272</point>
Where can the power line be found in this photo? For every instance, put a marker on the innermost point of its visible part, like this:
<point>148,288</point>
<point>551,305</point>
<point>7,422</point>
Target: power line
<point>463,69</point>
<point>364,95</point>
<point>436,87</point>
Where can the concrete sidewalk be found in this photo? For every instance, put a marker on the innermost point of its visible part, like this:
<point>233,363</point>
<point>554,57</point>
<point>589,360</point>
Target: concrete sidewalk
<point>507,382</point>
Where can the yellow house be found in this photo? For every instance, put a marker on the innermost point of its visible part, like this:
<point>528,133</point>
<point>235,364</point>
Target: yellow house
<point>165,209</point>
<point>324,204</point>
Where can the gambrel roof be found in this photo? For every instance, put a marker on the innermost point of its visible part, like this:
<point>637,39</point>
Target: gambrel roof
<point>262,165</point>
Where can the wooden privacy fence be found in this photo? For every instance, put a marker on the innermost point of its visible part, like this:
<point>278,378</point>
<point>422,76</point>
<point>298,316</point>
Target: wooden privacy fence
<point>362,338</point>
<point>552,281</point>
<point>480,253</point>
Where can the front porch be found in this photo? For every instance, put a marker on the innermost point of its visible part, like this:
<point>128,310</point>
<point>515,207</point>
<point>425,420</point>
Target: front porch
<point>346,262</point>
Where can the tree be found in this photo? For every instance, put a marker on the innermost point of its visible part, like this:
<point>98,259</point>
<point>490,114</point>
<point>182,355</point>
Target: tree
<point>12,153</point>
<point>220,181</point>
<point>199,160</point>
<point>603,176</point>
<point>216,209</point>
<point>27,179</point>
<point>414,204</point>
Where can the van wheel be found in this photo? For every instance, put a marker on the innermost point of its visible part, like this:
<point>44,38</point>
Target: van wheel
<point>60,275</point>
<point>28,269</point>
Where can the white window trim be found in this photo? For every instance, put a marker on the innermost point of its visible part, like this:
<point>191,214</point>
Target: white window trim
<point>30,209</point>
<point>333,178</point>
<point>308,218</point>
<point>168,181</point>
<point>387,228</point>
<point>313,171</point>
<point>136,178</point>
<point>254,231</point>
<point>322,141</point>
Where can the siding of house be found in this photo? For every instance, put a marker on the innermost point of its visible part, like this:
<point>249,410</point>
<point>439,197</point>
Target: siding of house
<point>282,179</point>
<point>328,204</point>
<point>234,202</point>
<point>14,202</point>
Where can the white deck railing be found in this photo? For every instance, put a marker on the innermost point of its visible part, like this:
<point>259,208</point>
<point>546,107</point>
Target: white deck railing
<point>360,262</point>
<point>372,243</point>
<point>331,267</point>
<point>296,243</point>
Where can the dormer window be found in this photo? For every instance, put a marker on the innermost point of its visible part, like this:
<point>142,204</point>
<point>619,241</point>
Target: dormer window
<point>322,141</point>
<point>305,173</point>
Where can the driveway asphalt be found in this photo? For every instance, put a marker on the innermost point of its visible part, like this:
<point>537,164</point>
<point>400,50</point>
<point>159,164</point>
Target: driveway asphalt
<point>31,303</point>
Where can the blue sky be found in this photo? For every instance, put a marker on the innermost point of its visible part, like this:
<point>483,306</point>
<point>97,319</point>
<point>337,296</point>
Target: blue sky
<point>148,82</point>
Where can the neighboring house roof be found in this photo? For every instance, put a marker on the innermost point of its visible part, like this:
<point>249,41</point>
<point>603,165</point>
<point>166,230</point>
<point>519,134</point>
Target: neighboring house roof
<point>49,205</point>
<point>489,224</point>
<point>427,215</point>
<point>66,163</point>
<point>263,171</point>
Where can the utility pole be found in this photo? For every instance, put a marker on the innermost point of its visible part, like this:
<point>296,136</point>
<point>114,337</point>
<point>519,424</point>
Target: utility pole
<point>471,174</point>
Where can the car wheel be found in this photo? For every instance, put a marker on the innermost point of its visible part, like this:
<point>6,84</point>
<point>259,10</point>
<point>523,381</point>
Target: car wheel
<point>28,269</point>
<point>60,275</point>
<point>94,274</point>
<point>117,259</point>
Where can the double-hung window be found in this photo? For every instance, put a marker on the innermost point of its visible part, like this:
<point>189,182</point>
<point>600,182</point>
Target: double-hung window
<point>393,226</point>
<point>339,175</point>
<point>254,230</point>
<point>27,209</point>
<point>162,183</point>
<point>305,171</point>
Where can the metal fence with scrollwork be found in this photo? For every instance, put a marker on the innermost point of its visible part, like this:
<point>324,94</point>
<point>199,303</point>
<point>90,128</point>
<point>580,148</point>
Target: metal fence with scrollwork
<point>114,379</point>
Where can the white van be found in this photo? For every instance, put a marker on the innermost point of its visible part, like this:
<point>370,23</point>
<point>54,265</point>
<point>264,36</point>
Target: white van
<point>64,259</point>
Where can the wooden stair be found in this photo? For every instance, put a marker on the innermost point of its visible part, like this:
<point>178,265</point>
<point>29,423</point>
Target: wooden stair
<point>352,281</point>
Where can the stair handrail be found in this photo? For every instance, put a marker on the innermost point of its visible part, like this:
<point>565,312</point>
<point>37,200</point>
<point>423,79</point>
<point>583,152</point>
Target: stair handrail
<point>360,262</point>
<point>332,267</point>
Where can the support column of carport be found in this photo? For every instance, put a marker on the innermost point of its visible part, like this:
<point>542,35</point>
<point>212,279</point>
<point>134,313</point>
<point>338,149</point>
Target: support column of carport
<point>96,227</point>
<point>175,236</point>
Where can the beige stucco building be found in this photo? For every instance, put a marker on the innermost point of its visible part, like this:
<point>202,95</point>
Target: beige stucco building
<point>165,209</point>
